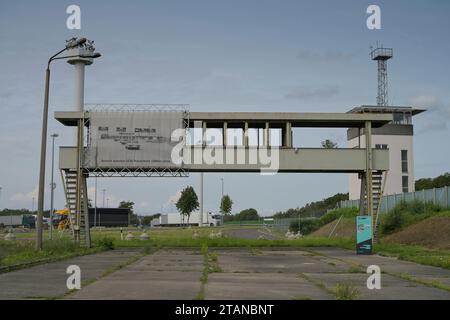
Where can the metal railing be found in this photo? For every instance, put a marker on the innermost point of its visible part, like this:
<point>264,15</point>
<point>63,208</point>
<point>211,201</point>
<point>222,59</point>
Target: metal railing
<point>437,196</point>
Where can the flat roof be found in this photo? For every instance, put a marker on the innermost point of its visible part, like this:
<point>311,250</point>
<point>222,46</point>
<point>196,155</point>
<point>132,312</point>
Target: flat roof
<point>386,109</point>
<point>298,119</point>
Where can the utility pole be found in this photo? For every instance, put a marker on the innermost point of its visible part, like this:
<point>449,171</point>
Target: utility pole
<point>104,191</point>
<point>201,199</point>
<point>52,184</point>
<point>95,200</point>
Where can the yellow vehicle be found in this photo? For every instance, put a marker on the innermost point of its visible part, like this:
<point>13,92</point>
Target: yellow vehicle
<point>64,222</point>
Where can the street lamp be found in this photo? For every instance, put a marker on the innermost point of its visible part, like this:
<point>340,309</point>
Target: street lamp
<point>71,44</point>
<point>52,184</point>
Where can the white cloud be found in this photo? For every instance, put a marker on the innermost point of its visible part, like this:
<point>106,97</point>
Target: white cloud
<point>303,92</point>
<point>438,111</point>
<point>174,198</point>
<point>26,198</point>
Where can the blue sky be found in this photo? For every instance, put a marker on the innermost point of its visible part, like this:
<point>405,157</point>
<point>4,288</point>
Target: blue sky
<point>222,56</point>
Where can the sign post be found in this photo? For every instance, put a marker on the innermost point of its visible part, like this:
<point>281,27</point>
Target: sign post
<point>364,235</point>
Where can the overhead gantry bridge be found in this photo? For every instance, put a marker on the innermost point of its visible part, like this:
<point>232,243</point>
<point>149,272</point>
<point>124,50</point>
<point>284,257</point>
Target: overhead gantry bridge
<point>291,159</point>
<point>234,155</point>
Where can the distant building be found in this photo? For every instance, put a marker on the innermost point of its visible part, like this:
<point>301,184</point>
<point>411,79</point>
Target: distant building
<point>396,136</point>
<point>109,217</point>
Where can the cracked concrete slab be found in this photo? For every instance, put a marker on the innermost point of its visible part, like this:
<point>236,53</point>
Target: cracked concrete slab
<point>49,280</point>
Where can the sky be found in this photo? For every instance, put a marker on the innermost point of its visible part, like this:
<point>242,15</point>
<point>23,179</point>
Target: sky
<point>246,55</point>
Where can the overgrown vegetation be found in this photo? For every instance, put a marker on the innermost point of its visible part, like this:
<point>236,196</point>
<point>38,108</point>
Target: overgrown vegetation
<point>313,209</point>
<point>19,252</point>
<point>105,242</point>
<point>345,291</point>
<point>245,215</point>
<point>407,213</point>
<point>308,226</point>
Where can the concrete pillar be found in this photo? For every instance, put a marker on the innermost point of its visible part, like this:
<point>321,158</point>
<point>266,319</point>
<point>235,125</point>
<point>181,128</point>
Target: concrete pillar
<point>224,134</point>
<point>203,133</point>
<point>245,138</point>
<point>266,142</point>
<point>288,135</point>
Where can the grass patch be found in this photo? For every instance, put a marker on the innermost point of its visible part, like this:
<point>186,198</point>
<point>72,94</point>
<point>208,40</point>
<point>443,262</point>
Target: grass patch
<point>14,254</point>
<point>436,258</point>
<point>408,213</point>
<point>345,291</point>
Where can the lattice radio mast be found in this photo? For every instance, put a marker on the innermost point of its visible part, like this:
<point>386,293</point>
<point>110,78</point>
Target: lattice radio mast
<point>382,55</point>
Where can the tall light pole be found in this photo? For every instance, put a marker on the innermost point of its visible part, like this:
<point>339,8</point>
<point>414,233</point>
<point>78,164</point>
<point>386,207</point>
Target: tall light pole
<point>104,191</point>
<point>95,201</point>
<point>71,44</point>
<point>52,184</point>
<point>107,202</point>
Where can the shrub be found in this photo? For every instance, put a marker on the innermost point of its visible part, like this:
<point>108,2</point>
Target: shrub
<point>345,291</point>
<point>306,226</point>
<point>406,213</point>
<point>106,242</point>
<point>393,221</point>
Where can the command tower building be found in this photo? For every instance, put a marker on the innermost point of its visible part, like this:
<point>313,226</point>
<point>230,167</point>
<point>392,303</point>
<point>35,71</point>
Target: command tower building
<point>397,136</point>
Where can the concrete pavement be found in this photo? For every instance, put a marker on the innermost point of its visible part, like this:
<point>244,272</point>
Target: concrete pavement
<point>48,280</point>
<point>242,273</point>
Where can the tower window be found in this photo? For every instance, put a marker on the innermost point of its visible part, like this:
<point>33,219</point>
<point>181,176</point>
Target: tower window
<point>405,161</point>
<point>405,187</point>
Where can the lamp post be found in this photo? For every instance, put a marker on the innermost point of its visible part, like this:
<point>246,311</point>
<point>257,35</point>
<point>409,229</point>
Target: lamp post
<point>52,185</point>
<point>70,45</point>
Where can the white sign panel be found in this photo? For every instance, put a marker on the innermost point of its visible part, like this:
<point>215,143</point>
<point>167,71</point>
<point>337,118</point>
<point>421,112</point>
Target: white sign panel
<point>132,139</point>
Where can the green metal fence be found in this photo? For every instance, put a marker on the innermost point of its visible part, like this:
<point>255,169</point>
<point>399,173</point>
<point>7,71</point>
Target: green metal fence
<point>438,196</point>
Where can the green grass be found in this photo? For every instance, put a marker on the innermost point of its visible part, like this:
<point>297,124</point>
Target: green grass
<point>436,258</point>
<point>15,253</point>
<point>345,291</point>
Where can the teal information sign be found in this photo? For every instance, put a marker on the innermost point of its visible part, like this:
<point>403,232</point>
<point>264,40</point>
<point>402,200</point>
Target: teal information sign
<point>363,235</point>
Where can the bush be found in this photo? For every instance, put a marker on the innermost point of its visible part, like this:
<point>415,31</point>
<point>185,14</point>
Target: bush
<point>106,243</point>
<point>393,221</point>
<point>406,213</point>
<point>306,226</point>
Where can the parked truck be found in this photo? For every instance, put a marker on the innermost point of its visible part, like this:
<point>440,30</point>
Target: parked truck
<point>175,219</point>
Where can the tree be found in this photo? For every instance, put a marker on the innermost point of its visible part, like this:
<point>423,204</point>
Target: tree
<point>430,183</point>
<point>129,205</point>
<point>147,220</point>
<point>329,144</point>
<point>187,202</point>
<point>226,204</point>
